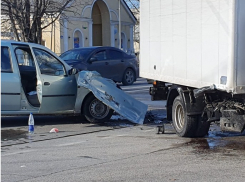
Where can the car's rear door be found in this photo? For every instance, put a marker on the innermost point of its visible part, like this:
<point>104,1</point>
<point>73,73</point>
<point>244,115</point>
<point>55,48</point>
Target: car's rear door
<point>109,63</point>
<point>116,63</point>
<point>10,81</point>
<point>55,88</point>
<point>100,64</point>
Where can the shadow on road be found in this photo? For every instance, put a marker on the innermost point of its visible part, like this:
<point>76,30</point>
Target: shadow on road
<point>14,121</point>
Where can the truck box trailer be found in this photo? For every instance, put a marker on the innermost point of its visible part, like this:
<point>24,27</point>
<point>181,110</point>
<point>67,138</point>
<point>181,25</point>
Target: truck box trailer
<point>198,48</point>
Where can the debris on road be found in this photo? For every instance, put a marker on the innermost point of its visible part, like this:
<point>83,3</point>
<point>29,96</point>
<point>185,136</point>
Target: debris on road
<point>31,124</point>
<point>161,129</point>
<point>151,117</point>
<point>107,91</point>
<point>117,117</point>
<point>54,130</point>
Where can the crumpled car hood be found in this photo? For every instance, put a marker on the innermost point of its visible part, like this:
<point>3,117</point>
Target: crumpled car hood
<point>106,91</point>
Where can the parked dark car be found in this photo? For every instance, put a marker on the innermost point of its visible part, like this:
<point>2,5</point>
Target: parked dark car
<point>110,62</point>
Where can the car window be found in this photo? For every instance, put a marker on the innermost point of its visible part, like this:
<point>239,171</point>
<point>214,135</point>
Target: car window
<point>24,57</point>
<point>48,64</point>
<point>115,54</point>
<point>5,60</point>
<point>76,55</point>
<point>100,56</point>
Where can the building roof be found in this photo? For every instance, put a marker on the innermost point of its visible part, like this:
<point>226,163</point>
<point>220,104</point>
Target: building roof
<point>129,10</point>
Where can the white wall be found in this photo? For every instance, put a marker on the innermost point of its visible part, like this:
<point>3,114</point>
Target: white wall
<point>187,42</point>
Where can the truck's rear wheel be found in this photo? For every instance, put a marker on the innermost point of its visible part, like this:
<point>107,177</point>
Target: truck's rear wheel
<point>185,126</point>
<point>96,111</point>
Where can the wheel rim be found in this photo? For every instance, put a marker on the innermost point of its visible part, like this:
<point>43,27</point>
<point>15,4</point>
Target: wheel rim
<point>179,117</point>
<point>98,110</point>
<point>129,76</point>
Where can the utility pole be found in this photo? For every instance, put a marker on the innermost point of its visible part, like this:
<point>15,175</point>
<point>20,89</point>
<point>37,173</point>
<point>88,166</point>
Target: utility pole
<point>119,31</point>
<point>51,32</point>
<point>54,37</point>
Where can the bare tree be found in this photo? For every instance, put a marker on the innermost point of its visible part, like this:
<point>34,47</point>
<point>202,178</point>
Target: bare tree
<point>134,5</point>
<point>27,18</point>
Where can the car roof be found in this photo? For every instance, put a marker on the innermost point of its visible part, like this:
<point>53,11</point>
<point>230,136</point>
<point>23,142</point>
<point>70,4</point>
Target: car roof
<point>95,47</point>
<point>34,45</point>
<point>14,41</point>
<point>7,42</point>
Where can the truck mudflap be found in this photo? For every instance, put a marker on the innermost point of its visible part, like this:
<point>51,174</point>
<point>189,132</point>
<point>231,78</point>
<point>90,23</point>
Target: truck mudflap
<point>107,91</point>
<point>232,121</point>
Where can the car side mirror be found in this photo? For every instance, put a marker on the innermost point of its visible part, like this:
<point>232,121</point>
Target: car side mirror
<point>93,59</point>
<point>73,71</point>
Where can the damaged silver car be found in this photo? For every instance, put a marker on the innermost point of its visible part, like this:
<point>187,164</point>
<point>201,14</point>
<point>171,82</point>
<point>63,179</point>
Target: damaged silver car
<point>36,80</point>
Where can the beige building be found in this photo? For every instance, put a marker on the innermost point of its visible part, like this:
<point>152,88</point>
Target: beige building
<point>91,23</point>
<point>97,24</point>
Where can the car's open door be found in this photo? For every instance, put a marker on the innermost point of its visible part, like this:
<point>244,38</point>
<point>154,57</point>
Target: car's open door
<point>55,88</point>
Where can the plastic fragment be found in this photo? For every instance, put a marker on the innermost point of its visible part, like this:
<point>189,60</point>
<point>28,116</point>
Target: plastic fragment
<point>54,130</point>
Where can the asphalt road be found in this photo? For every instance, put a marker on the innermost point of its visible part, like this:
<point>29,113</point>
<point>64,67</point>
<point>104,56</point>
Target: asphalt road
<point>117,150</point>
<point>14,129</point>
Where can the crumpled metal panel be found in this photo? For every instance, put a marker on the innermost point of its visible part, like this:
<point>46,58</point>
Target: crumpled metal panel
<point>106,91</point>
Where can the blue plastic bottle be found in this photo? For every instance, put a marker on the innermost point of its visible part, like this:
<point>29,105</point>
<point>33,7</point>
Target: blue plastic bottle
<point>31,124</point>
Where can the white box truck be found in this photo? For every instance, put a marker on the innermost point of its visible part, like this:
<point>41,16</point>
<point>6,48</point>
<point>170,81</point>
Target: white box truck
<point>197,47</point>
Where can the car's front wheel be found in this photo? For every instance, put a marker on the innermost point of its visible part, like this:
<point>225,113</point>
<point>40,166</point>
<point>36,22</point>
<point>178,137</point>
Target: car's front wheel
<point>128,77</point>
<point>96,111</point>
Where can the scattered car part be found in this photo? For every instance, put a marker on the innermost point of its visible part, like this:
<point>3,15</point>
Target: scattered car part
<point>106,91</point>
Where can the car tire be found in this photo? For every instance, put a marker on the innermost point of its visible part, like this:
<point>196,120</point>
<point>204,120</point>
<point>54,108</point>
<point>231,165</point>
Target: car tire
<point>185,126</point>
<point>128,77</point>
<point>96,111</point>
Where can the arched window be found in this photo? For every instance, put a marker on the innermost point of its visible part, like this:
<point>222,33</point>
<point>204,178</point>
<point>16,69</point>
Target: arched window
<point>124,42</point>
<point>77,39</point>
